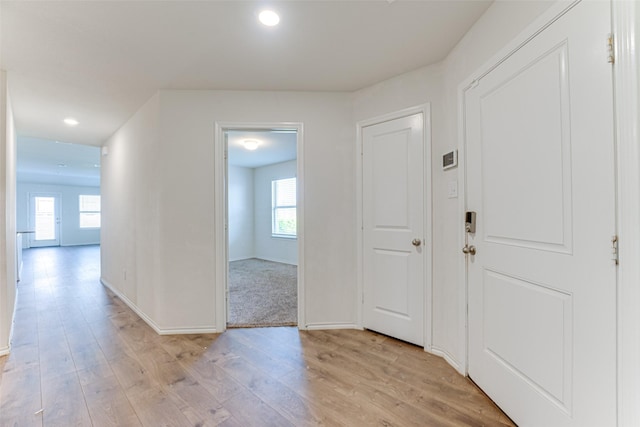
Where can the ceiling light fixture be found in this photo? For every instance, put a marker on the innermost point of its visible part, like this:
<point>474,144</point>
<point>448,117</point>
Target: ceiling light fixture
<point>250,144</point>
<point>269,18</point>
<point>71,121</point>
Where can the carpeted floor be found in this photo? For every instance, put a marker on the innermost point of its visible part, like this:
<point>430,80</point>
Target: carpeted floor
<point>262,293</point>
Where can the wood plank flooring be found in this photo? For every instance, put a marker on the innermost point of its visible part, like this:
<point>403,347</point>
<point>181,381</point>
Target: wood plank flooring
<point>81,357</point>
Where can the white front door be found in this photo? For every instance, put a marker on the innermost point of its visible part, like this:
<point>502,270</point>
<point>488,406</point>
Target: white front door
<point>540,175</point>
<point>45,220</point>
<point>393,222</point>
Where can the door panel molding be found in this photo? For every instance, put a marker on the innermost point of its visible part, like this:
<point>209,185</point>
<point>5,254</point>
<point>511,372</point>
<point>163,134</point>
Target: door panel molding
<point>573,399</point>
<point>425,110</point>
<point>546,19</point>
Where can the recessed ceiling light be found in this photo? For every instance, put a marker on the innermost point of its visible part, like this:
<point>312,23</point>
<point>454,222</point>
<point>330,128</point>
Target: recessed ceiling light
<point>250,144</point>
<point>269,18</point>
<point>62,165</point>
<point>71,121</point>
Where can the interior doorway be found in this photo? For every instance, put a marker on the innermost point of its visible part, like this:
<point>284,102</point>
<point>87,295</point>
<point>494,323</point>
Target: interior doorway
<point>262,227</point>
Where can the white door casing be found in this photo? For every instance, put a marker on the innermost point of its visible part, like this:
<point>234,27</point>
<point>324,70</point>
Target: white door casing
<point>221,213</point>
<point>540,175</point>
<point>393,218</point>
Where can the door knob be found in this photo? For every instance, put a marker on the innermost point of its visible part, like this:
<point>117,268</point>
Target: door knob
<point>469,249</point>
<point>416,242</point>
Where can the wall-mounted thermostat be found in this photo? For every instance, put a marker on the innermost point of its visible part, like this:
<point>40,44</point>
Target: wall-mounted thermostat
<point>450,160</point>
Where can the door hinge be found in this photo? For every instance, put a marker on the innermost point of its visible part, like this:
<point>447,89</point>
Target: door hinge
<point>614,249</point>
<point>611,59</point>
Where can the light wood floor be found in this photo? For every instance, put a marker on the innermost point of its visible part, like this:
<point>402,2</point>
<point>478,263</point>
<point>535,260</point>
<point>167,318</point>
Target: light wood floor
<point>81,357</point>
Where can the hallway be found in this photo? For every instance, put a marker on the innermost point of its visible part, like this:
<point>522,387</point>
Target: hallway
<point>81,357</point>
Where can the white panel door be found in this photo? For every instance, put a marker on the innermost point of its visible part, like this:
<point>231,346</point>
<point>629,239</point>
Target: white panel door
<point>393,221</point>
<point>45,220</point>
<point>540,175</point>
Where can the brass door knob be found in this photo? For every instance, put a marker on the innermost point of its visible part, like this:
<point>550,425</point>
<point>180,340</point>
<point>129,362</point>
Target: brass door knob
<point>469,249</point>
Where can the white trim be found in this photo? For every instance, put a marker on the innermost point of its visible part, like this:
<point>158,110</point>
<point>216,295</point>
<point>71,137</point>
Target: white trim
<point>150,322</point>
<point>13,316</point>
<point>6,350</point>
<point>221,212</point>
<point>463,302</point>
<point>449,358</point>
<point>279,261</point>
<point>625,16</point>
<point>220,233</point>
<point>555,12</point>
<point>320,326</point>
<point>359,228</point>
<point>187,331</point>
<point>425,110</point>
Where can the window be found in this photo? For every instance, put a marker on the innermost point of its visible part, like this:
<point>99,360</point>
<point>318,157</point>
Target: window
<point>89,211</point>
<point>283,197</point>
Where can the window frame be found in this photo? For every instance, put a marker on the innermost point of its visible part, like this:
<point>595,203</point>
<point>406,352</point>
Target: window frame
<point>82,211</point>
<point>275,207</point>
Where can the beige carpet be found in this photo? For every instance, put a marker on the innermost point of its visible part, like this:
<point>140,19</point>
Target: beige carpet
<point>262,293</point>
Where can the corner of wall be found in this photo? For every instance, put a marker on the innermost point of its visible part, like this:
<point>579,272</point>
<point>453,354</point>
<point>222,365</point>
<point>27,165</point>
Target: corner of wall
<point>7,214</point>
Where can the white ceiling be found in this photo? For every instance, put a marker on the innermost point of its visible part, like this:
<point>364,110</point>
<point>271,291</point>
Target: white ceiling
<point>274,147</point>
<point>52,162</point>
<point>99,61</point>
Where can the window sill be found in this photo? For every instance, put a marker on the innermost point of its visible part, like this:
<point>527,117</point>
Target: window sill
<point>283,236</point>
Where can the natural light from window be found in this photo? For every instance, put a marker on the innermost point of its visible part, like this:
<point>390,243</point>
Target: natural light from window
<point>45,218</point>
<point>89,211</point>
<point>283,196</point>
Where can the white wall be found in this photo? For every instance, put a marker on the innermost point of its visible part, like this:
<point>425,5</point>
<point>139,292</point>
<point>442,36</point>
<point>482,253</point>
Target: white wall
<point>132,262</point>
<point>241,213</point>
<point>267,247</point>
<point>250,214</point>
<point>70,232</point>
<point>438,84</point>
<point>161,228</point>
<point>7,215</point>
<point>160,168</point>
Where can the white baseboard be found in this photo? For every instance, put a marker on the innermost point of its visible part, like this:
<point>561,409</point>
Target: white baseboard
<point>279,261</point>
<point>449,359</point>
<point>187,331</point>
<point>151,323</point>
<point>242,258</point>
<point>329,325</point>
<point>7,349</point>
<point>13,321</point>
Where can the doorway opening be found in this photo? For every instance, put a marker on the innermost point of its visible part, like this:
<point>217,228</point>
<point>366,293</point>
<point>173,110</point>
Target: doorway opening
<point>262,226</point>
<point>45,219</point>
<point>57,196</point>
<point>57,193</point>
